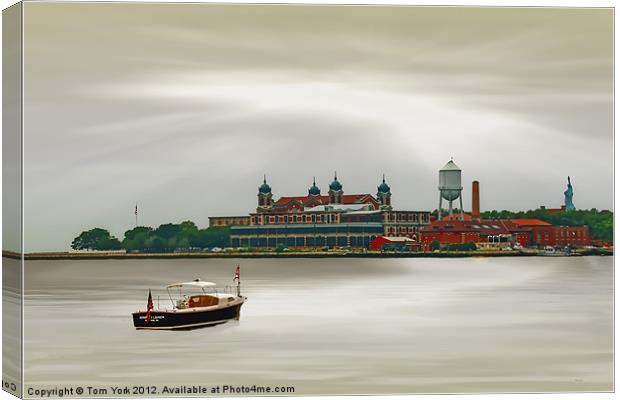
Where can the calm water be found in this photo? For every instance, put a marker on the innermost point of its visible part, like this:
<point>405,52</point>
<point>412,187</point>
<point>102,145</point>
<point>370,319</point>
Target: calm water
<point>332,326</point>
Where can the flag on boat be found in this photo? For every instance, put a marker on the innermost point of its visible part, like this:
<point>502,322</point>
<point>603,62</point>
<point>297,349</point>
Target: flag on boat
<point>149,307</point>
<point>237,274</point>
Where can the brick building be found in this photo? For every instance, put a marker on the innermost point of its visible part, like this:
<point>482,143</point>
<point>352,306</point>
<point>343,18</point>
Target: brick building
<point>315,220</point>
<point>526,232</point>
<point>229,221</point>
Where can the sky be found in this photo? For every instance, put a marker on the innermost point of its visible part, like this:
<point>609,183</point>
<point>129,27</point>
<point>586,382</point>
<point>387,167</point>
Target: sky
<point>181,108</point>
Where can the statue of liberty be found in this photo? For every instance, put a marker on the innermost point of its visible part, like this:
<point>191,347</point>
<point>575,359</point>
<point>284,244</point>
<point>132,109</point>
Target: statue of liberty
<point>568,197</point>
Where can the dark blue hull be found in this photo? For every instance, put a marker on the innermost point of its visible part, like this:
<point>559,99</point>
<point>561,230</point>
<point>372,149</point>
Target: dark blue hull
<point>186,319</point>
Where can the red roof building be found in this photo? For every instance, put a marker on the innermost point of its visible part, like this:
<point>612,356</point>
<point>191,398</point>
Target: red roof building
<point>289,203</point>
<point>315,220</point>
<point>526,232</point>
<point>382,242</point>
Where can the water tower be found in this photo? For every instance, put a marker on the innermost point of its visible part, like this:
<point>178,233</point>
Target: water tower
<point>450,187</point>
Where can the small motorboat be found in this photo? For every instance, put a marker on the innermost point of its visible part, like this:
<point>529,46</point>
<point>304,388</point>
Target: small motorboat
<point>211,306</point>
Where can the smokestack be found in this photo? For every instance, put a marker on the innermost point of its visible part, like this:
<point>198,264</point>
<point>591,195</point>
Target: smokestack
<point>475,200</point>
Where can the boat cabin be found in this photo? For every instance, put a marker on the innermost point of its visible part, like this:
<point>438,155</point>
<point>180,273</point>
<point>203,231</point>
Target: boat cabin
<point>199,300</point>
<point>208,298</point>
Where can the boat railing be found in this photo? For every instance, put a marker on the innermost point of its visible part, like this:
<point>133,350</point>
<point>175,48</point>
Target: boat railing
<point>228,289</point>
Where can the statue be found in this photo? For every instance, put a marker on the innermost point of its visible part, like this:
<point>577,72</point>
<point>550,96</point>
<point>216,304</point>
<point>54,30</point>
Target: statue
<point>568,197</point>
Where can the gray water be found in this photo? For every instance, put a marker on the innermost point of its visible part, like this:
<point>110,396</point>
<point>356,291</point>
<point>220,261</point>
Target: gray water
<point>331,326</point>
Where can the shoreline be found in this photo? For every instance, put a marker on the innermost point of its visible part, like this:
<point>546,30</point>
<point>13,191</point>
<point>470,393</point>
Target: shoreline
<point>291,254</point>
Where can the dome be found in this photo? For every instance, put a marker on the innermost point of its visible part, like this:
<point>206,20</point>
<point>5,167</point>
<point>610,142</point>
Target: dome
<point>335,185</point>
<point>264,188</point>
<point>383,187</point>
<point>314,189</point>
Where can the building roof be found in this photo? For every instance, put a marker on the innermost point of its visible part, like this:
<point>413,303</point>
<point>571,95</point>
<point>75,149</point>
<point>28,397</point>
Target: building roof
<point>450,166</point>
<point>339,207</point>
<point>554,210</point>
<point>314,189</point>
<point>335,185</point>
<point>229,217</point>
<point>346,199</point>
<point>529,222</point>
<point>397,239</point>
<point>264,188</point>
<point>364,212</point>
<point>483,227</point>
<point>383,187</point>
<point>456,216</point>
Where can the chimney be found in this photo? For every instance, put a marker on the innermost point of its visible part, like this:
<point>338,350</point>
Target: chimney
<point>475,200</point>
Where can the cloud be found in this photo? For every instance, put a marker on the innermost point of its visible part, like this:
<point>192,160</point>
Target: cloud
<point>182,108</point>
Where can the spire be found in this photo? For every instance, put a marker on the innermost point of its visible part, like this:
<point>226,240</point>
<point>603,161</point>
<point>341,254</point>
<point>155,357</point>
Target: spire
<point>314,189</point>
<point>383,187</point>
<point>335,185</point>
<point>264,188</point>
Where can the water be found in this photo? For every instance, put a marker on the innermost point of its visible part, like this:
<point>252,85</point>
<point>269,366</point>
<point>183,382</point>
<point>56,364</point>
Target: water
<point>332,326</point>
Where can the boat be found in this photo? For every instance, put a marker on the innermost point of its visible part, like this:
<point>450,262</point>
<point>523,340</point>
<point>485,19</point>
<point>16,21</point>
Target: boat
<point>211,306</point>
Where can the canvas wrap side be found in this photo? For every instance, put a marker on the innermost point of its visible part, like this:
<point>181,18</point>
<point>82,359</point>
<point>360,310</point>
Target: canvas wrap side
<point>12,246</point>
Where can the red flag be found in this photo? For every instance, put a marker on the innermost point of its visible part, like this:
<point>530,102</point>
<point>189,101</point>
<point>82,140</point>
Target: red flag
<point>237,274</point>
<point>149,307</point>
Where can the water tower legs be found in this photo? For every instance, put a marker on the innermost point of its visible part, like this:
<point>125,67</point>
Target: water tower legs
<point>461,202</point>
<point>439,208</point>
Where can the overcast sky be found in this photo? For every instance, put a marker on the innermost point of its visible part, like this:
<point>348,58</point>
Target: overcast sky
<point>181,108</point>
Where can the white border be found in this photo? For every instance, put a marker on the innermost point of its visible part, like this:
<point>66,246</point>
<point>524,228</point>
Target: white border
<point>480,3</point>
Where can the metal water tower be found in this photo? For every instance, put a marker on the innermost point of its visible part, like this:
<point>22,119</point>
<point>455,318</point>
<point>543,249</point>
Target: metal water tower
<point>450,187</point>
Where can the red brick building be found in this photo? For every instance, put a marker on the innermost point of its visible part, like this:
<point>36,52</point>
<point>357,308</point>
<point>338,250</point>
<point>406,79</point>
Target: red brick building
<point>334,220</point>
<point>381,242</point>
<point>534,232</point>
<point>544,234</point>
<point>576,236</point>
<point>526,232</point>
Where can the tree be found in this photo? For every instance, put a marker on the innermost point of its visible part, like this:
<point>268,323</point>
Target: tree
<point>435,245</point>
<point>166,238</point>
<point>467,246</point>
<point>214,237</point>
<point>96,239</point>
<point>136,238</point>
<point>157,244</point>
<point>167,231</point>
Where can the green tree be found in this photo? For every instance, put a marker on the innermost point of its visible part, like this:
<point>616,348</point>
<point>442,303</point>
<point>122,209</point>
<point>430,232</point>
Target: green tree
<point>136,238</point>
<point>96,239</point>
<point>214,237</point>
<point>157,245</point>
<point>166,238</point>
<point>167,231</point>
<point>435,245</point>
<point>467,246</point>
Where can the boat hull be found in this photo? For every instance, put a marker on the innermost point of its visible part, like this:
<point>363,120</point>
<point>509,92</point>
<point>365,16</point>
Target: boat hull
<point>186,319</point>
